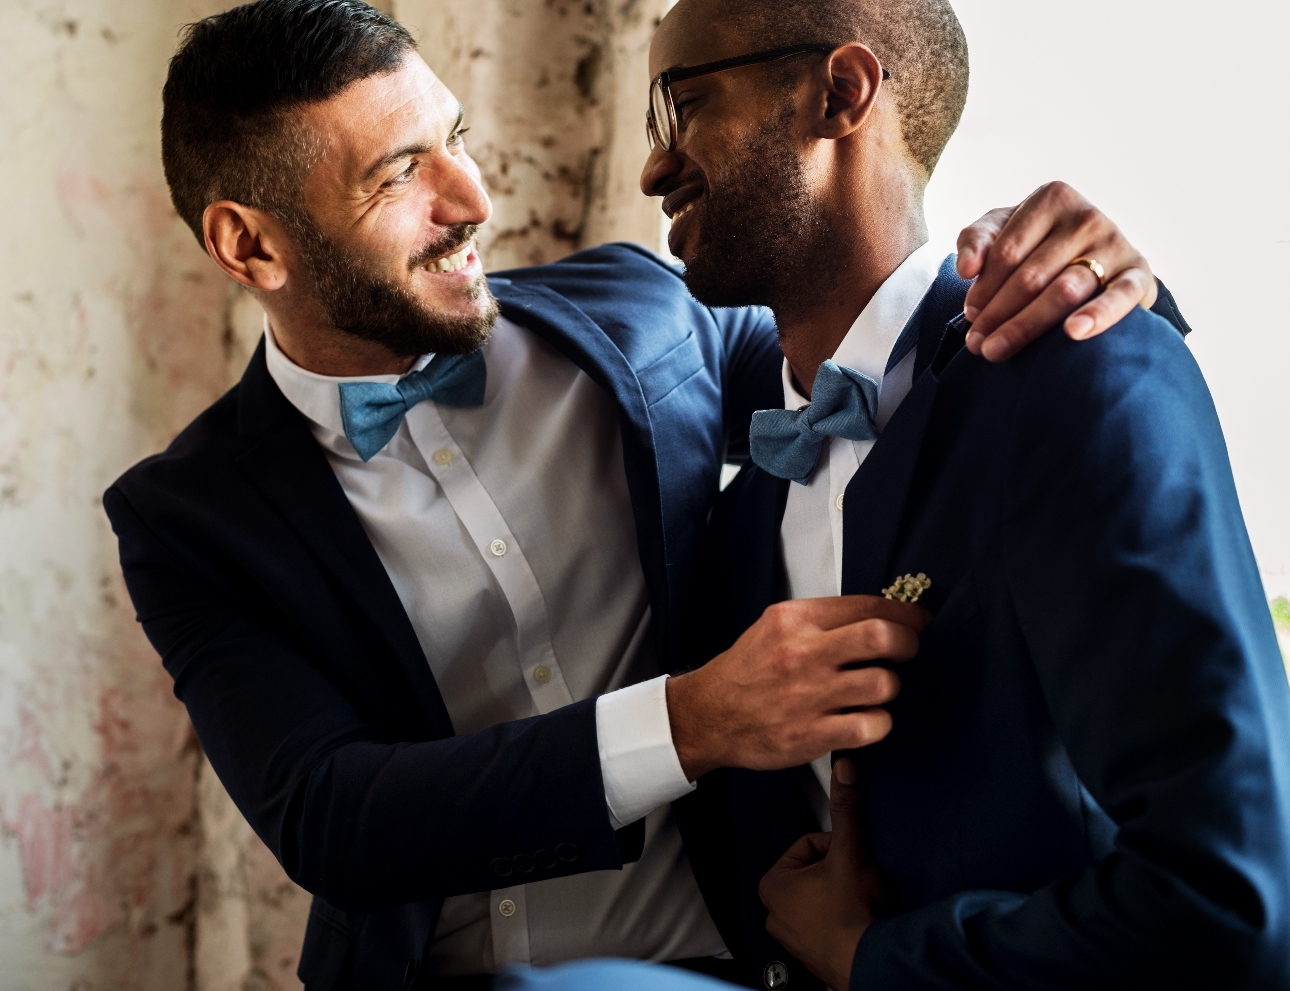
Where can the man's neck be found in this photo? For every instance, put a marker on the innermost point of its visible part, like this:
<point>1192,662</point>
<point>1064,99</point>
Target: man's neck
<point>810,334</point>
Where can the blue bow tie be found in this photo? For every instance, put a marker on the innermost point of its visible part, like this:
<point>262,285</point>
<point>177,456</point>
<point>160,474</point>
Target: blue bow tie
<point>372,411</point>
<point>787,443</point>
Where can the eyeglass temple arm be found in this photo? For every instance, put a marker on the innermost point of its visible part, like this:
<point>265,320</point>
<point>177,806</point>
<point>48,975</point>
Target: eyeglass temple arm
<point>676,75</point>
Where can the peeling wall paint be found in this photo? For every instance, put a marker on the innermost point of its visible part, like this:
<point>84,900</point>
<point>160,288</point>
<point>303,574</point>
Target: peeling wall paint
<point>123,863</point>
<point>555,94</point>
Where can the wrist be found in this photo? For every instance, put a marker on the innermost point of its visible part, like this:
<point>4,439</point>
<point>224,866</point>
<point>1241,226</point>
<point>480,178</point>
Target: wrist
<point>842,959</point>
<point>691,731</point>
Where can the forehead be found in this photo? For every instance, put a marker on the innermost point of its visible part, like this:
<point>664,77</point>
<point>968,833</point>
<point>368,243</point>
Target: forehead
<point>368,117</point>
<point>693,33</point>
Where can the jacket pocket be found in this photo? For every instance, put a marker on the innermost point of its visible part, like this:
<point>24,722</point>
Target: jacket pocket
<point>661,377</point>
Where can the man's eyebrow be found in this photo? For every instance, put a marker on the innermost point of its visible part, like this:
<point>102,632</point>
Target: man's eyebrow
<point>408,151</point>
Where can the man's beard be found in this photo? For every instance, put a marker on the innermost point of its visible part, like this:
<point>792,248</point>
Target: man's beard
<point>372,307</point>
<point>762,239</point>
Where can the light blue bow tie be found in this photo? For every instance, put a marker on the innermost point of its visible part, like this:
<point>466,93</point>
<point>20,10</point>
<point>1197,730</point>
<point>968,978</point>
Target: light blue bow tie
<point>787,443</point>
<point>372,411</point>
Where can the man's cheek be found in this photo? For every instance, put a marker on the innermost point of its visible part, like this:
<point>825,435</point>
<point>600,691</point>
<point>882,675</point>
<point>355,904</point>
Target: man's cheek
<point>388,237</point>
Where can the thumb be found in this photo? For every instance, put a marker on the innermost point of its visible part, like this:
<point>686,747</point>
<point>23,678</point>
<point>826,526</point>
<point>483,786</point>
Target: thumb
<point>844,801</point>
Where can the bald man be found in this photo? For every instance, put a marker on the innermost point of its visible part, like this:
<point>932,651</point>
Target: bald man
<point>1087,779</point>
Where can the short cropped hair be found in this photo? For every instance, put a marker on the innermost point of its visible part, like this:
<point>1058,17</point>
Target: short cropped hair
<point>919,41</point>
<point>229,129</point>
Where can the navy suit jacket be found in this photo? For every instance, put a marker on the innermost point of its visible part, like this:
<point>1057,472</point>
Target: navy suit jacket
<point>256,583</point>
<point>1088,780</point>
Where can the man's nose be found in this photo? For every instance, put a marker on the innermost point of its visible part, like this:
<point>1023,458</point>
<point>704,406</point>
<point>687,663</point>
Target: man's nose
<point>659,167</point>
<point>459,196</point>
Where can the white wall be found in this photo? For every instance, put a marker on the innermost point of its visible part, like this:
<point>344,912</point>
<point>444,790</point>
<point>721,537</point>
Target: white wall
<point>1173,119</point>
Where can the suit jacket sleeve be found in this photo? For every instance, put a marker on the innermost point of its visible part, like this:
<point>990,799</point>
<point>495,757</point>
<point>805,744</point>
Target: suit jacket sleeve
<point>1136,590</point>
<point>362,821</point>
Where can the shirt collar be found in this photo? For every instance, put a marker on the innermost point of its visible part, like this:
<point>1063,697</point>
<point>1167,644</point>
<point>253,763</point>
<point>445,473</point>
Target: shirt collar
<point>869,341</point>
<point>317,396</point>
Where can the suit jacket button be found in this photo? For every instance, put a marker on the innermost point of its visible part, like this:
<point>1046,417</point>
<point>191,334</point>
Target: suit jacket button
<point>776,975</point>
<point>545,858</point>
<point>523,863</point>
<point>567,852</point>
<point>502,866</point>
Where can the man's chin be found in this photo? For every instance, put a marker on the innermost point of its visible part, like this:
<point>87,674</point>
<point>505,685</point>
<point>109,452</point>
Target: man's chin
<point>719,286</point>
<point>450,294</point>
<point>411,323</point>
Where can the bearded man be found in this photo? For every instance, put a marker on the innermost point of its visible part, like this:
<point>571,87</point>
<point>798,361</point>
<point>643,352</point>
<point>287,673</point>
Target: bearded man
<point>418,576</point>
<point>1088,780</point>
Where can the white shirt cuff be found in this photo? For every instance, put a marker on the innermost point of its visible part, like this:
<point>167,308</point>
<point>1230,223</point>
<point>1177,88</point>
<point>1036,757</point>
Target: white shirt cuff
<point>638,761</point>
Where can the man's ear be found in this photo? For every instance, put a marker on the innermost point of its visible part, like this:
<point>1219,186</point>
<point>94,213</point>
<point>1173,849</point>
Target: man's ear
<point>850,80</point>
<point>247,243</point>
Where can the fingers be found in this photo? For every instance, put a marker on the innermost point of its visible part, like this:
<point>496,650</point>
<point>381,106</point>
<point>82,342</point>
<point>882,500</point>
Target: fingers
<point>1027,283</point>
<point>853,730</point>
<point>843,792</point>
<point>810,849</point>
<point>1027,227</point>
<point>841,610</point>
<point>1133,287</point>
<point>1066,291</point>
<point>870,640</point>
<point>862,689</point>
<point>844,797</point>
<point>975,240</point>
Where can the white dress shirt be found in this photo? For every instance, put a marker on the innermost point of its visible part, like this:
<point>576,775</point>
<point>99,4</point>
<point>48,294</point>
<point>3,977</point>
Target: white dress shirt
<point>507,532</point>
<point>811,532</point>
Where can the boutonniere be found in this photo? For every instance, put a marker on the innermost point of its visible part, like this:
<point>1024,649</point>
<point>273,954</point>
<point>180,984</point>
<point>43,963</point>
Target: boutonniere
<point>908,588</point>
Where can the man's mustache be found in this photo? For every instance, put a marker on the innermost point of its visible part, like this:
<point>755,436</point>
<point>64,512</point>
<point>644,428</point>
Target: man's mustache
<point>454,238</point>
<point>693,177</point>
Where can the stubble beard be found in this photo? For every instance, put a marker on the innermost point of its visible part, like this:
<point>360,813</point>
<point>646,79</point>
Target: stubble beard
<point>375,308</point>
<point>763,240</point>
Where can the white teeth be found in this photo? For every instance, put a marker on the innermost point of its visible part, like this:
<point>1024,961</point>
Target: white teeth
<point>450,263</point>
<point>683,211</point>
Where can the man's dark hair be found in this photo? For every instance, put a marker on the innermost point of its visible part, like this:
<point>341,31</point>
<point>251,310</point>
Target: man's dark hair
<point>229,128</point>
<point>919,41</point>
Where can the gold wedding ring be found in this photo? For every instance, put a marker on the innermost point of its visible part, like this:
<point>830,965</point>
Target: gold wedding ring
<point>1094,266</point>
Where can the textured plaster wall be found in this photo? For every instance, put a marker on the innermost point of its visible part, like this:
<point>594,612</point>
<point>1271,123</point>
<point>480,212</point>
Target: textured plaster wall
<point>122,862</point>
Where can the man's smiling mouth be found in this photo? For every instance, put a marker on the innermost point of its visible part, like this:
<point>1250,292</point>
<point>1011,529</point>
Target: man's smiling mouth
<point>683,210</point>
<point>678,205</point>
<point>679,202</point>
<point>454,262</point>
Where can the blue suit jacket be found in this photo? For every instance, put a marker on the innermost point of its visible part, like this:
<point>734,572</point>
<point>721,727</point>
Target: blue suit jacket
<point>1088,780</point>
<point>256,583</point>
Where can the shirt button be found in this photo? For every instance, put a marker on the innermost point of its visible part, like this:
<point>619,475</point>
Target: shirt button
<point>541,674</point>
<point>506,907</point>
<point>497,548</point>
<point>838,501</point>
<point>443,456</point>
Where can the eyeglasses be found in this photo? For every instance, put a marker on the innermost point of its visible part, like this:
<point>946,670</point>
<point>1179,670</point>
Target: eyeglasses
<point>660,119</point>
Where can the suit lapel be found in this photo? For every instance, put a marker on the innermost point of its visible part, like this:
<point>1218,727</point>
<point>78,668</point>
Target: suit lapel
<point>289,468</point>
<point>875,498</point>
